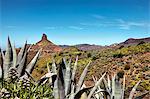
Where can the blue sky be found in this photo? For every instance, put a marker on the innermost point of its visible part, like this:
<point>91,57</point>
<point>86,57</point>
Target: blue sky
<point>101,22</point>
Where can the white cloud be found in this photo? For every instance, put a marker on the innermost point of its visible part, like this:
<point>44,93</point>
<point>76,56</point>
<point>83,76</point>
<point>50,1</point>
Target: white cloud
<point>11,26</point>
<point>94,24</point>
<point>124,26</point>
<point>76,27</point>
<point>50,28</point>
<point>136,24</point>
<point>120,20</point>
<point>97,16</point>
<point>128,24</point>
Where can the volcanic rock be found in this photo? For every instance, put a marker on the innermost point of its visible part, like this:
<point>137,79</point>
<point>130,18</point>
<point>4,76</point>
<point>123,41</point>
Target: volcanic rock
<point>47,46</point>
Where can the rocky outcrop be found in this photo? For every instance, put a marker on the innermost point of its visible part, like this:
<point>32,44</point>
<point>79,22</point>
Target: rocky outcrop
<point>47,46</point>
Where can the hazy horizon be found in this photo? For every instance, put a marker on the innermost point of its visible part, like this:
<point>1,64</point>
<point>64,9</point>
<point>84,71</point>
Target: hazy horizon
<point>99,22</point>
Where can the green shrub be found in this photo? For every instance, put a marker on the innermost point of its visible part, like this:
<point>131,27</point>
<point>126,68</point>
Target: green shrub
<point>89,55</point>
<point>118,55</point>
<point>145,68</point>
<point>142,42</point>
<point>120,74</point>
<point>127,67</point>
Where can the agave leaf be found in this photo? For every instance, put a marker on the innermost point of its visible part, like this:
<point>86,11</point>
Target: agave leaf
<point>82,92</point>
<point>65,63</point>
<point>109,84</point>
<point>8,60</point>
<point>54,68</point>
<point>113,86</point>
<point>42,80</point>
<point>29,75</point>
<point>2,54</point>
<point>1,68</point>
<point>67,78</point>
<point>94,79</point>
<point>95,87</point>
<point>72,95</point>
<point>96,95</point>
<point>133,90</point>
<point>118,90</point>
<point>1,59</point>
<point>31,65</point>
<point>106,85</point>
<point>58,84</point>
<point>29,48</point>
<point>61,86</point>
<point>1,72</point>
<point>48,68</point>
<point>74,70</point>
<point>142,96</point>
<point>61,89</point>
<point>123,89</point>
<point>63,66</point>
<point>81,79</point>
<point>21,66</point>
<point>21,53</point>
<point>101,90</point>
<point>14,56</point>
<point>50,76</point>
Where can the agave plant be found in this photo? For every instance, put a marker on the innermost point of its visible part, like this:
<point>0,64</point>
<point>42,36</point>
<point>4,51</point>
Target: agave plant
<point>13,65</point>
<point>64,85</point>
<point>15,75</point>
<point>113,89</point>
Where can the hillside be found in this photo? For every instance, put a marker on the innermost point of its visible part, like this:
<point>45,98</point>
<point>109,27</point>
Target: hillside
<point>87,47</point>
<point>132,61</point>
<point>132,41</point>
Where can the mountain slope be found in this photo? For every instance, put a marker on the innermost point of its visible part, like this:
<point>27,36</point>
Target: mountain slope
<point>132,41</point>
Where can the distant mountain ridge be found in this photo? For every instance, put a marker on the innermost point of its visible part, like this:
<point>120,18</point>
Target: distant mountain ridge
<point>128,42</point>
<point>49,47</point>
<point>133,41</point>
<point>84,47</point>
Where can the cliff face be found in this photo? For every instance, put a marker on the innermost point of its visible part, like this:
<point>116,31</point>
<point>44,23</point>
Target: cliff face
<point>47,46</point>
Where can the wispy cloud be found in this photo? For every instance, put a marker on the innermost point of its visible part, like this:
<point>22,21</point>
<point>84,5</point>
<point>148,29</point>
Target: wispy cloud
<point>119,23</point>
<point>11,26</point>
<point>93,24</point>
<point>76,27</point>
<point>126,25</point>
<point>50,27</point>
<point>120,20</point>
<point>97,16</point>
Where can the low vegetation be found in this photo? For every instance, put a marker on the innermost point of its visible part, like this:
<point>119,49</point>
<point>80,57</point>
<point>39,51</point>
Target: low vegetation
<point>111,73</point>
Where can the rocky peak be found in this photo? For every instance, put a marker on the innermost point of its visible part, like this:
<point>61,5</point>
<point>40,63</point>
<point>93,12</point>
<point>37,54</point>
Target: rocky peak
<point>44,37</point>
<point>47,46</point>
<point>44,41</point>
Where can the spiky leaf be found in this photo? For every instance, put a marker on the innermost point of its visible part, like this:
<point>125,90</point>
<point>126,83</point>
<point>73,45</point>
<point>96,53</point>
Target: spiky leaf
<point>81,79</point>
<point>31,65</point>
<point>95,87</point>
<point>8,60</point>
<point>133,90</point>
